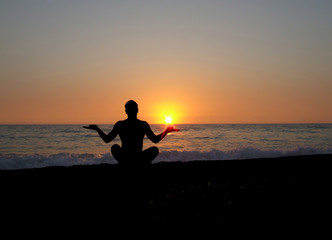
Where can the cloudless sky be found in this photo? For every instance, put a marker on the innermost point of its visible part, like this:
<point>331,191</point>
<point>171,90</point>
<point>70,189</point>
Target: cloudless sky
<point>208,61</point>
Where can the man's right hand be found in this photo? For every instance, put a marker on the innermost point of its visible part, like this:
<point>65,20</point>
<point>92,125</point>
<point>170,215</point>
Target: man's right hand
<point>92,127</point>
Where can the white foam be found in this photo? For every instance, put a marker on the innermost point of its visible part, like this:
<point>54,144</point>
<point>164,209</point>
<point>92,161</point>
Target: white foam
<point>15,161</point>
<point>62,159</point>
<point>239,153</point>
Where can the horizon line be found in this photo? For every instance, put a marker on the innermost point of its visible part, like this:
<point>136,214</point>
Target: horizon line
<point>170,124</point>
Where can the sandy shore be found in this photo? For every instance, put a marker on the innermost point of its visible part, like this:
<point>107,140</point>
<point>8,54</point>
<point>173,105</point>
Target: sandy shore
<point>293,188</point>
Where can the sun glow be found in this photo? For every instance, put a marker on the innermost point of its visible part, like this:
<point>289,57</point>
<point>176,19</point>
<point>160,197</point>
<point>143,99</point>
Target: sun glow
<point>168,119</point>
<point>168,113</point>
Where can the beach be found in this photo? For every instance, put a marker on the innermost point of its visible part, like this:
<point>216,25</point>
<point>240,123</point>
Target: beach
<point>291,188</point>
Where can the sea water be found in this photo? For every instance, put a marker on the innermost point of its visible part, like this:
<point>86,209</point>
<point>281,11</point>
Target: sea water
<point>31,146</point>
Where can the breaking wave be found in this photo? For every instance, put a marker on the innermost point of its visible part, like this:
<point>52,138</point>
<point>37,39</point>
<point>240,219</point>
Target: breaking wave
<point>16,161</point>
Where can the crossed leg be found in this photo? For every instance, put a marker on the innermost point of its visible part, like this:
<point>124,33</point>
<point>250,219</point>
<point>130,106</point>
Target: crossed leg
<point>142,158</point>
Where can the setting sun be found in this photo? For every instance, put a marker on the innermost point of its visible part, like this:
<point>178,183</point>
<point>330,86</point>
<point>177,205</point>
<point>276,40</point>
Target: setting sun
<point>167,112</point>
<point>168,120</point>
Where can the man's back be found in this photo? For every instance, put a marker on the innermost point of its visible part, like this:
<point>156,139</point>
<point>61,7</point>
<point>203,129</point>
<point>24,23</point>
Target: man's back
<point>131,132</point>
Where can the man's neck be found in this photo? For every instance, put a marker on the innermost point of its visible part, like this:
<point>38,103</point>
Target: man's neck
<point>132,118</point>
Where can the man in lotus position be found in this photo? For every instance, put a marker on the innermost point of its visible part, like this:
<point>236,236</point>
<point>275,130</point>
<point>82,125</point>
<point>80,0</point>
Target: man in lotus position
<point>132,132</point>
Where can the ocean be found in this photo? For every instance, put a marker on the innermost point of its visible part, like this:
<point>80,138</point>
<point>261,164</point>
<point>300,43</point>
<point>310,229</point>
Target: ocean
<point>35,146</point>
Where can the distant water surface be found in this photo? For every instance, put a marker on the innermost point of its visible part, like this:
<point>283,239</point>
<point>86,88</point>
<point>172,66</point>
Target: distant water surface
<point>24,146</point>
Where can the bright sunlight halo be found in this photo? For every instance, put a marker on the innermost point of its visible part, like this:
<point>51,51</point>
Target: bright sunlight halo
<point>168,120</point>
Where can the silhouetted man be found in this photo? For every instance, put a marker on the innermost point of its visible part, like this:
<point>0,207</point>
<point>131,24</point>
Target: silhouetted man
<point>132,132</point>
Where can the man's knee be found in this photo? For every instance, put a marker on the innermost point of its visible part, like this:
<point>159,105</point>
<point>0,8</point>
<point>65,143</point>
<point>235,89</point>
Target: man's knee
<point>152,153</point>
<point>115,148</point>
<point>155,150</point>
<point>116,152</point>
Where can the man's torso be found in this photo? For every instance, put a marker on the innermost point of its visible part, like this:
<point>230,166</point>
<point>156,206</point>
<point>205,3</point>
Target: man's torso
<point>132,133</point>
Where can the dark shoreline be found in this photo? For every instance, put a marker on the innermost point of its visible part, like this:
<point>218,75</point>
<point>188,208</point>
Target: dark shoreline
<point>294,188</point>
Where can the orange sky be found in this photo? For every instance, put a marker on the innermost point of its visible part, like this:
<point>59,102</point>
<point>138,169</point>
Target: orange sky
<point>215,62</point>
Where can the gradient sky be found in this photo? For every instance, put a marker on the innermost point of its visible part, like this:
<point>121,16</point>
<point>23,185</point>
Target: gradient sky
<point>205,61</point>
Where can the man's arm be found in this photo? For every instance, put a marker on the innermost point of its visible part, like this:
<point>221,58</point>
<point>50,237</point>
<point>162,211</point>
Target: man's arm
<point>106,138</point>
<point>157,138</point>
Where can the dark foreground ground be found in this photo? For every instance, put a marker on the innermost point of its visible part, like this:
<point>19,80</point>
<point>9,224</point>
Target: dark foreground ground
<point>292,189</point>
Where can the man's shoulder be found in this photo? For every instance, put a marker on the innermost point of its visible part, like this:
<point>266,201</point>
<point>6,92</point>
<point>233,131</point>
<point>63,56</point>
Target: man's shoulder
<point>119,123</point>
<point>143,123</point>
<point>126,122</point>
